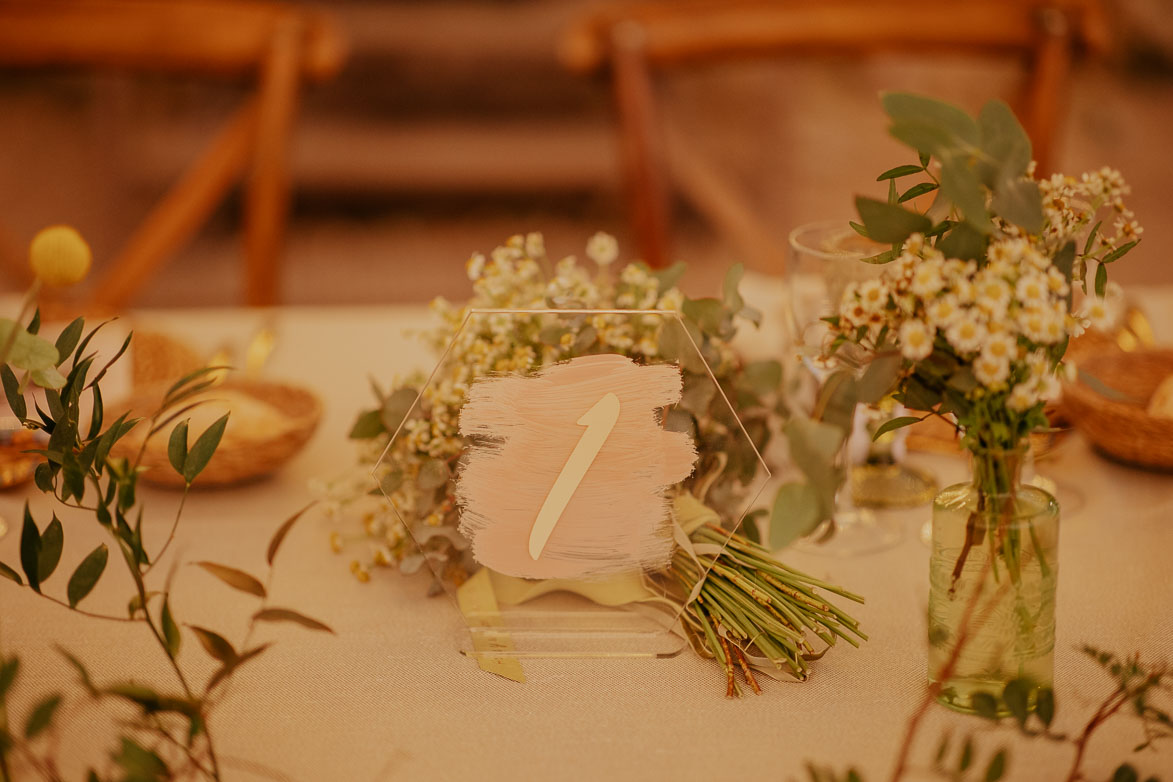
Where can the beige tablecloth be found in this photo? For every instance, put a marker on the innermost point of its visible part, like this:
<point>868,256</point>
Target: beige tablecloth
<point>389,697</point>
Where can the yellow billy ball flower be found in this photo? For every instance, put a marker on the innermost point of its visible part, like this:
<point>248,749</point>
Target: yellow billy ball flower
<point>59,256</point>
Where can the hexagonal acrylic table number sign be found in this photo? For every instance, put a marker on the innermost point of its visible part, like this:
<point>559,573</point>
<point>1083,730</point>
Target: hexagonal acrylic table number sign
<point>564,488</point>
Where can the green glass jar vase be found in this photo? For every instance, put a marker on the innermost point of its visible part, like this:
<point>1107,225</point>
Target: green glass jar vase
<point>993,573</point>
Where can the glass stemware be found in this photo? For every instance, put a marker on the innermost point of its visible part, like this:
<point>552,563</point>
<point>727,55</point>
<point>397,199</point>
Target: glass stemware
<point>825,258</point>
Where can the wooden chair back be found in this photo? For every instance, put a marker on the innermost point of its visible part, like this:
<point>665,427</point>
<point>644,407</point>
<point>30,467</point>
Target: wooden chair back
<point>636,41</point>
<point>275,45</point>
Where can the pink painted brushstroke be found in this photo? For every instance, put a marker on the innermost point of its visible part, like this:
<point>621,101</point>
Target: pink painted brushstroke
<point>618,519</point>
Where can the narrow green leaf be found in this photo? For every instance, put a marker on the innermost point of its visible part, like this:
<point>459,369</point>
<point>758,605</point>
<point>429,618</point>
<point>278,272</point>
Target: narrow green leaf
<point>139,764</point>
<point>1125,773</point>
<point>96,415</point>
<point>892,194</point>
<point>916,190</point>
<point>1016,696</point>
<point>997,767</point>
<point>30,549</point>
<point>892,424</point>
<point>201,452</point>
<point>237,579</point>
<point>52,541</point>
<point>177,446</point>
<point>9,573</point>
<point>1101,280</point>
<point>12,392</point>
<point>68,339</point>
<point>279,536</point>
<point>117,355</point>
<point>8,671</point>
<point>178,386</point>
<point>1091,237</point>
<point>1119,252</point>
<point>899,171</point>
<point>35,323</point>
<point>859,229</point>
<point>214,644</point>
<point>966,758</point>
<point>231,665</point>
<point>889,223</point>
<point>41,717</point>
<point>171,632</point>
<point>86,576</point>
<point>1045,705</point>
<point>287,615</point>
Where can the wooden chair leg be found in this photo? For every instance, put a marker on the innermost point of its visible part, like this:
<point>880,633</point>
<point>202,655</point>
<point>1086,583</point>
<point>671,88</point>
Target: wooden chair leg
<point>182,211</point>
<point>1049,74</point>
<point>723,205</point>
<point>268,195</point>
<point>643,156</point>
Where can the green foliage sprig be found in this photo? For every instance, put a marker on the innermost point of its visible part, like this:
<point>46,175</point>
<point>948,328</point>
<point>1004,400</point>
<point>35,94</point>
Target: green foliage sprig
<point>169,736</point>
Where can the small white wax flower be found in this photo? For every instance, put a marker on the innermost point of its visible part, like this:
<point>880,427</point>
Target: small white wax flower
<point>914,243</point>
<point>1056,282</point>
<point>1034,323</point>
<point>475,266</point>
<point>1049,388</point>
<point>916,341</point>
<point>1069,371</point>
<point>603,249</point>
<point>966,334</point>
<point>873,295</point>
<point>1022,398</point>
<point>992,294</point>
<point>991,371</point>
<point>1097,311</point>
<point>535,245</point>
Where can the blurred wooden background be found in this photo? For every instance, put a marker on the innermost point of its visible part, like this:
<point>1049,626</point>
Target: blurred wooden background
<point>454,124</point>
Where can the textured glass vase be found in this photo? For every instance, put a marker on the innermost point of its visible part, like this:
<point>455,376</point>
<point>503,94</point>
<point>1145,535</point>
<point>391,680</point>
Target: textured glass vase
<point>992,575</point>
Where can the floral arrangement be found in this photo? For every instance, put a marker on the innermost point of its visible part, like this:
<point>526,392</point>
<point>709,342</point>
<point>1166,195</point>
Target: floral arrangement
<point>166,734</point>
<point>750,611</point>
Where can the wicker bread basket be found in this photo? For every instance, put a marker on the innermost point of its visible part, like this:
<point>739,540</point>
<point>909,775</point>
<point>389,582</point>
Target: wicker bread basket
<point>240,457</point>
<point>1122,428</point>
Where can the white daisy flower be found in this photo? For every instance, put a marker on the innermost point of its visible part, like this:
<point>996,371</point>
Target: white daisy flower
<point>1001,345</point>
<point>1022,398</point>
<point>1097,311</point>
<point>916,340</point>
<point>966,334</point>
<point>475,266</point>
<point>990,371</point>
<point>992,294</point>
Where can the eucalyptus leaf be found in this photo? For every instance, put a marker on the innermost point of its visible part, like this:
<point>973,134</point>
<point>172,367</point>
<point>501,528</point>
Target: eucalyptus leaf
<point>237,579</point>
<point>889,223</point>
<point>28,351</point>
<point>908,107</point>
<point>433,474</point>
<point>961,186</point>
<point>47,377</point>
<point>139,764</point>
<point>709,314</point>
<point>668,278</point>
<point>368,424</point>
<point>697,394</point>
<point>924,137</point>
<point>732,296</point>
<point>795,513</point>
<point>586,337</point>
<point>201,451</point>
<point>964,242</point>
<point>399,403</point>
<point>288,615</point>
<point>86,576</point>
<point>1020,202</point>
<point>879,378</point>
<point>1016,696</point>
<point>1004,140</point>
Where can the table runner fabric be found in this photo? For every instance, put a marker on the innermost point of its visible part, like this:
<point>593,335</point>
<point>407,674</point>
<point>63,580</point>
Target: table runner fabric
<point>389,697</point>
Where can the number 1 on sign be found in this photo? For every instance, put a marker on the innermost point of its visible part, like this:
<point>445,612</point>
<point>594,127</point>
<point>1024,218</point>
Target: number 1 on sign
<point>599,421</point>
